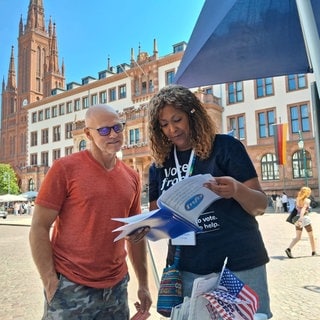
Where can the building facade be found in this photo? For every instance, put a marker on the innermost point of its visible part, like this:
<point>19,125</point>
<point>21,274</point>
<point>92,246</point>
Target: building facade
<point>38,72</point>
<point>252,109</point>
<point>43,119</point>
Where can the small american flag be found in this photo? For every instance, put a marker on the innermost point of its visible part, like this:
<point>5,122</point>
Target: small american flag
<point>223,303</point>
<point>233,299</point>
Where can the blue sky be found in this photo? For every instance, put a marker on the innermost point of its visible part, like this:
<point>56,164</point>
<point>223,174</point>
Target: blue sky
<point>89,32</point>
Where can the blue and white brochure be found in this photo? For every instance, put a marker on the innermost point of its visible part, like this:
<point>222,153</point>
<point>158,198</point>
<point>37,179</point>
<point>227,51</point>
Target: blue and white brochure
<point>179,209</point>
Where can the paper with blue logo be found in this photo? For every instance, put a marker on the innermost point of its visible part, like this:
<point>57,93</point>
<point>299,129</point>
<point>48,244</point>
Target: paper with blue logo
<point>179,209</point>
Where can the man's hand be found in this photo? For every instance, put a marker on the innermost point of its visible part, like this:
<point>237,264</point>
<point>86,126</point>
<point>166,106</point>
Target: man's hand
<point>145,300</point>
<point>138,234</point>
<point>51,287</point>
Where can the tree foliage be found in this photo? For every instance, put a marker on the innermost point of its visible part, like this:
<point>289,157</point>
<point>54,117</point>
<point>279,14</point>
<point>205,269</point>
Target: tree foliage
<point>8,180</point>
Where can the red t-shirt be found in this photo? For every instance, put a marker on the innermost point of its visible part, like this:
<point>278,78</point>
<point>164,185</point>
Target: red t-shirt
<point>87,197</point>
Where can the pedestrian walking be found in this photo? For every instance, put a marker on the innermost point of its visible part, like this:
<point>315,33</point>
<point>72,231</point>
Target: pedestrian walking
<point>273,198</point>
<point>304,221</point>
<point>29,208</point>
<point>16,208</point>
<point>278,204</point>
<point>284,200</point>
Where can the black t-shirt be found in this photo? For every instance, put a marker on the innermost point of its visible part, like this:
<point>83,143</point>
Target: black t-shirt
<point>228,230</point>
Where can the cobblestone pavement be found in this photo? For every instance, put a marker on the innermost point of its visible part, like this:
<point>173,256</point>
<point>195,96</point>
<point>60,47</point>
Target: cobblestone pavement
<point>294,284</point>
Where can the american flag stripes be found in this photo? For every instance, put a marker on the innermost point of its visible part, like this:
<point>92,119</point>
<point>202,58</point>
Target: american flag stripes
<point>224,309</point>
<point>233,299</point>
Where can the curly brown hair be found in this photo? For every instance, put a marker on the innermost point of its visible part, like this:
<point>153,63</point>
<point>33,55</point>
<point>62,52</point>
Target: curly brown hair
<point>202,127</point>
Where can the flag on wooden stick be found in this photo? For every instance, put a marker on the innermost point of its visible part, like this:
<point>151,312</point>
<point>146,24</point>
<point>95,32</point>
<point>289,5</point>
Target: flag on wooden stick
<point>280,142</point>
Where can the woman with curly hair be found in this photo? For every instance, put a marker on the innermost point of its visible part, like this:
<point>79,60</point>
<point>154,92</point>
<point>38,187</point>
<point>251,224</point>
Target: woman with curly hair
<point>304,221</point>
<point>184,142</point>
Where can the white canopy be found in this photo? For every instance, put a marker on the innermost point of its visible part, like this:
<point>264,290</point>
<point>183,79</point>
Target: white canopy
<point>12,197</point>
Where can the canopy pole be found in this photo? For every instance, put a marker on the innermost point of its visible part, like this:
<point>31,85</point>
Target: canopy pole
<point>316,121</point>
<point>311,36</point>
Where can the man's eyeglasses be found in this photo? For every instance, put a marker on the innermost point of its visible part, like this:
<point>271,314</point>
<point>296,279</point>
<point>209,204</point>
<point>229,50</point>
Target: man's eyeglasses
<point>105,131</point>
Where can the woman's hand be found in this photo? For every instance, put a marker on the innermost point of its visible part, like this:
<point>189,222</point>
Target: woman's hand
<point>225,187</point>
<point>248,194</point>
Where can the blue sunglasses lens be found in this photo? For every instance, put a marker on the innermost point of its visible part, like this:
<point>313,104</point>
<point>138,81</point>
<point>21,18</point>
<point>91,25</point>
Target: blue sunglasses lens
<point>105,131</point>
<point>118,128</point>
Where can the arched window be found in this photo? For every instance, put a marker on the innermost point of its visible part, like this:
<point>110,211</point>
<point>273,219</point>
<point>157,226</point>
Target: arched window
<point>269,167</point>
<point>82,145</point>
<point>301,164</point>
<point>31,185</point>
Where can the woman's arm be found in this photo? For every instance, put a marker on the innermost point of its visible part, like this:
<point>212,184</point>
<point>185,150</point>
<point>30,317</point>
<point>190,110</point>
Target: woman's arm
<point>305,208</point>
<point>248,194</point>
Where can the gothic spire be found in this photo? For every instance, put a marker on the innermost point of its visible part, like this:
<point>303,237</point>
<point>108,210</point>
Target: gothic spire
<point>50,28</point>
<point>20,27</point>
<point>53,59</point>
<point>35,18</point>
<point>11,84</point>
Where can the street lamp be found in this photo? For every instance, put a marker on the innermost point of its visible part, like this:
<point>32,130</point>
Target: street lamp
<point>303,151</point>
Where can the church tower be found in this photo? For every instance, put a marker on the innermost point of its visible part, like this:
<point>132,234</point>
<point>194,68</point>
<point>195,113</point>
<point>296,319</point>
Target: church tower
<point>37,74</point>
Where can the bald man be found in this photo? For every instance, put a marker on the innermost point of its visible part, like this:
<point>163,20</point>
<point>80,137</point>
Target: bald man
<point>84,272</point>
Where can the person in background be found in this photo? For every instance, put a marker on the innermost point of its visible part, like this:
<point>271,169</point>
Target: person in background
<point>29,208</point>
<point>16,208</point>
<point>278,204</point>
<point>32,208</point>
<point>274,197</point>
<point>284,200</point>
<point>303,206</point>
<point>184,142</point>
<point>84,272</point>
